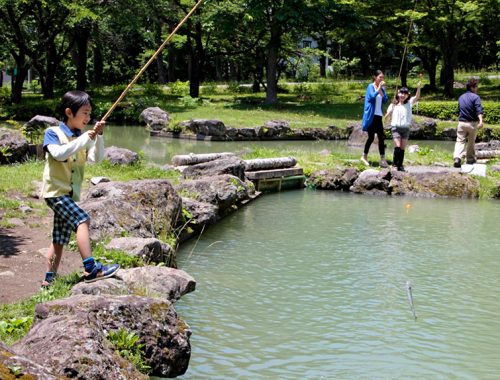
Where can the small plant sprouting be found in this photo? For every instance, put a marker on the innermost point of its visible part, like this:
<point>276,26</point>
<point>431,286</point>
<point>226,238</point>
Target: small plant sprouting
<point>126,346</point>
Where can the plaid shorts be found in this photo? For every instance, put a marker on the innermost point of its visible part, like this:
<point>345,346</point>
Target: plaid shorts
<point>67,217</point>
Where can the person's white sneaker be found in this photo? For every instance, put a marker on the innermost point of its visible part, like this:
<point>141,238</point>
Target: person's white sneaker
<point>364,160</point>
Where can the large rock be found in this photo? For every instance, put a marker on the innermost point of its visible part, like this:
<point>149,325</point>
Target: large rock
<point>70,336</point>
<point>334,179</point>
<point>147,208</point>
<point>13,146</point>
<point>120,156</point>
<point>449,133</point>
<point>419,182</point>
<point>150,250</point>
<point>373,182</point>
<point>155,118</point>
<point>434,185</point>
<point>424,130</point>
<point>150,281</point>
<point>42,122</point>
<point>196,216</point>
<point>205,127</point>
<point>224,191</point>
<point>358,137</point>
<point>229,165</point>
<point>246,134</point>
<point>273,129</point>
<point>12,365</point>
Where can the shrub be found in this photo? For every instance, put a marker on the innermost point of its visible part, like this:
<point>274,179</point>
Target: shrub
<point>179,88</point>
<point>4,95</point>
<point>32,107</point>
<point>209,88</point>
<point>448,110</point>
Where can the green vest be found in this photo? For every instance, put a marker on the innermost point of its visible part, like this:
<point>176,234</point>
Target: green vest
<point>62,177</point>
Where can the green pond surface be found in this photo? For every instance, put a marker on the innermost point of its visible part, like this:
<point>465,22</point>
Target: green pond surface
<point>312,285</point>
<point>160,150</point>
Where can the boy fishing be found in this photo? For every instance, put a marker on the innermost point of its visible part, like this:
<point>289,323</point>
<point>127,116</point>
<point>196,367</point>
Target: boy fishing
<point>67,149</point>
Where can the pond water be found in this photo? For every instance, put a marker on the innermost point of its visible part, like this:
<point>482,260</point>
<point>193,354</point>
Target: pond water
<point>160,150</point>
<point>311,285</point>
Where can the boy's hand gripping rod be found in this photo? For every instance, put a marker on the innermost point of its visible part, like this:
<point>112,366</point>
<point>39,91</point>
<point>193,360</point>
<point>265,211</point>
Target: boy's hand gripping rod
<point>167,40</point>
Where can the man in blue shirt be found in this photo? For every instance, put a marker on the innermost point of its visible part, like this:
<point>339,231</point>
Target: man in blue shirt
<point>470,119</point>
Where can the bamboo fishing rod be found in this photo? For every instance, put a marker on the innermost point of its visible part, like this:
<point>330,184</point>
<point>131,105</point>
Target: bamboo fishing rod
<point>141,71</point>
<point>405,47</point>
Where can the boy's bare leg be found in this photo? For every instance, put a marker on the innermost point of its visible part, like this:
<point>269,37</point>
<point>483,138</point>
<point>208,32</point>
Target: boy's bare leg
<point>54,257</point>
<point>83,240</point>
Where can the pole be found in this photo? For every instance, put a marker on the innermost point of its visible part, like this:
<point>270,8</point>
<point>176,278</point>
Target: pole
<point>141,71</point>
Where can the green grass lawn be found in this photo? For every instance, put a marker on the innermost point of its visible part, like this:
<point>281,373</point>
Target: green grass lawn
<point>322,104</point>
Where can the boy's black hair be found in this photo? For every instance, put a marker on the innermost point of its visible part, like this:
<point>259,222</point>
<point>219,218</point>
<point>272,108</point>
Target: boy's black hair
<point>73,100</point>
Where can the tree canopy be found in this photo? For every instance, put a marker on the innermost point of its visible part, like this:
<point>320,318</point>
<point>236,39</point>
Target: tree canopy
<point>92,43</point>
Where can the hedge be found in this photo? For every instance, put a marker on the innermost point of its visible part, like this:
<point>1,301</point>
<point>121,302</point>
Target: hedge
<point>448,110</point>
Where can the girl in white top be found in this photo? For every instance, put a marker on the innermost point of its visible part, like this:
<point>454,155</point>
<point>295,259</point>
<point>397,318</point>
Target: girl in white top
<point>401,115</point>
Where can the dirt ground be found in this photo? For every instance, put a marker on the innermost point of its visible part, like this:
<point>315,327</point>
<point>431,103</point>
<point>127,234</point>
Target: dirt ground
<point>22,256</point>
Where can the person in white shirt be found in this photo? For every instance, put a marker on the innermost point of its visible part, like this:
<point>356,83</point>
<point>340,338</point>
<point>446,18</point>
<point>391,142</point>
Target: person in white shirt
<point>400,112</point>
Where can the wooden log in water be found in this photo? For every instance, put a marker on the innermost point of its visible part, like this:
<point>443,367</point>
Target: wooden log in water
<point>270,163</point>
<point>487,153</point>
<point>193,159</point>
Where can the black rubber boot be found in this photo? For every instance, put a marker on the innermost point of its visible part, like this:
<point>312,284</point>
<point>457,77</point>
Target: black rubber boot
<point>396,157</point>
<point>401,168</point>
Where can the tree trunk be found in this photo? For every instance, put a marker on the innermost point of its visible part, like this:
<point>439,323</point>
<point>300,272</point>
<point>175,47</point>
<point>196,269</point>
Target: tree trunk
<point>448,76</point>
<point>197,58</point>
<point>98,65</point>
<point>1,78</point>
<point>430,59</point>
<point>272,65</point>
<point>47,80</point>
<point>448,48</point>
<point>255,85</point>
<point>17,80</point>
<point>82,39</point>
<point>322,45</point>
<point>171,65</point>
<point>160,65</point>
<point>218,68</point>
<point>17,83</point>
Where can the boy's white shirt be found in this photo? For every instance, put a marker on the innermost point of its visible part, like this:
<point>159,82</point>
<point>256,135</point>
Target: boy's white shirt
<point>64,151</point>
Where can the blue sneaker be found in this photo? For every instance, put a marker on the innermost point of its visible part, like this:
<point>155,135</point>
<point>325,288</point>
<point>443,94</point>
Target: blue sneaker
<point>49,279</point>
<point>100,272</point>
